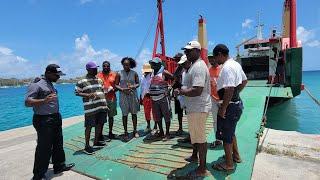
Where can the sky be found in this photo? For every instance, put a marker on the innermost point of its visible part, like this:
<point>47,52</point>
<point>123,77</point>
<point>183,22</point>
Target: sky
<point>35,33</point>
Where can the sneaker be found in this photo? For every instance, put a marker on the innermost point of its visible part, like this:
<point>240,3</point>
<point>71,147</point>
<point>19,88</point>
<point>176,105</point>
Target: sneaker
<point>99,144</point>
<point>154,131</point>
<point>88,150</point>
<point>136,135</point>
<point>102,139</point>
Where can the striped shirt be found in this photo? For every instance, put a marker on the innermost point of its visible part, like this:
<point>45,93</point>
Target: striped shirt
<point>92,85</point>
<point>158,87</point>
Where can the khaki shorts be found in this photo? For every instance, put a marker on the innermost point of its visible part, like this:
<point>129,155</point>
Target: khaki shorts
<point>197,127</point>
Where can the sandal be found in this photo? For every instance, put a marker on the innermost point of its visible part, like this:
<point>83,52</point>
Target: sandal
<point>221,167</point>
<point>215,144</point>
<point>236,160</point>
<point>191,160</point>
<point>193,175</point>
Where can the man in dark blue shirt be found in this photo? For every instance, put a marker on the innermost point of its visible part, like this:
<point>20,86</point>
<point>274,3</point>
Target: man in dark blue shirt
<point>42,97</point>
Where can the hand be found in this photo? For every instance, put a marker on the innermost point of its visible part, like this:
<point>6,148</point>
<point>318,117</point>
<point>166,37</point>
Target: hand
<point>126,90</point>
<point>50,97</point>
<point>176,92</point>
<point>222,112</point>
<point>92,96</point>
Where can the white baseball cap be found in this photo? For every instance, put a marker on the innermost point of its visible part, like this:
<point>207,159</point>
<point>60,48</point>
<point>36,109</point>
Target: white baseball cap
<point>183,59</point>
<point>192,45</point>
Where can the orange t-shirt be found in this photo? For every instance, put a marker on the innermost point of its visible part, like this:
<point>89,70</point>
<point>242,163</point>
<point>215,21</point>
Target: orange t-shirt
<point>214,74</point>
<point>108,80</point>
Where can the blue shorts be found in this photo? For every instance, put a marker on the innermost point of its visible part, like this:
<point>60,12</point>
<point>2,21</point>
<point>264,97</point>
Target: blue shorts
<point>226,127</point>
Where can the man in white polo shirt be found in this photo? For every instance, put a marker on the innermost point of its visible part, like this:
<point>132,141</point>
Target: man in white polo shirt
<point>230,82</point>
<point>198,105</point>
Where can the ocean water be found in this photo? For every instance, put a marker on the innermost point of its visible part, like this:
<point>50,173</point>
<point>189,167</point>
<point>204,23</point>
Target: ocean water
<point>300,114</point>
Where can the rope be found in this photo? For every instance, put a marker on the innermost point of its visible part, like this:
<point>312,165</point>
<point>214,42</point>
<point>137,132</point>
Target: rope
<point>312,97</point>
<point>146,36</point>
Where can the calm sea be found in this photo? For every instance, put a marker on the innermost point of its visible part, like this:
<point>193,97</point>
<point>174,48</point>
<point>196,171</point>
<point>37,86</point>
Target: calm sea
<point>299,114</point>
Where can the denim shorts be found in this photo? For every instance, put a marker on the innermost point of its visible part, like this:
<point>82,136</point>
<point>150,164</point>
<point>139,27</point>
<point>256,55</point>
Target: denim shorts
<point>226,127</point>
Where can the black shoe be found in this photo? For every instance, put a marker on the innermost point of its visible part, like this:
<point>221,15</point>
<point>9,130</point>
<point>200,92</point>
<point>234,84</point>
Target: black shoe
<point>102,139</point>
<point>112,136</point>
<point>99,144</point>
<point>88,150</point>
<point>65,167</point>
<point>38,177</point>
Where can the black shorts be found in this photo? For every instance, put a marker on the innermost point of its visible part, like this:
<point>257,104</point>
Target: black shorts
<point>161,109</point>
<point>177,107</point>
<point>226,127</point>
<point>95,119</point>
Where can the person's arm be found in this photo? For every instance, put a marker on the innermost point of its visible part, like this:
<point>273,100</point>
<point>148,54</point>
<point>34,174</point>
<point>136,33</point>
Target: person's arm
<point>242,85</point>
<point>168,75</point>
<point>31,99</point>
<point>228,93</point>
<point>137,83</point>
<point>79,92</point>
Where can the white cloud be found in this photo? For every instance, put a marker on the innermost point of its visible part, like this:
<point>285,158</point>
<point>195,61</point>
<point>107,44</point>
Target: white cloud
<point>127,20</point>
<point>307,37</point>
<point>12,65</point>
<point>73,63</point>
<point>247,23</point>
<point>85,1</point>
<point>314,43</point>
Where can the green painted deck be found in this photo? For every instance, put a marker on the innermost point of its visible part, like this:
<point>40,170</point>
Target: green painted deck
<point>165,159</point>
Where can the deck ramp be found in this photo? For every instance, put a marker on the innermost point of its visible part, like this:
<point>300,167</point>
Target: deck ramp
<point>137,159</point>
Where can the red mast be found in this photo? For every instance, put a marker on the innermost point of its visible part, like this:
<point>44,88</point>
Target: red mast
<point>159,30</point>
<point>293,24</point>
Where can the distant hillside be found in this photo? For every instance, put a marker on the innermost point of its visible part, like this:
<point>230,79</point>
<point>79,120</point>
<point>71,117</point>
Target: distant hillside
<point>22,82</point>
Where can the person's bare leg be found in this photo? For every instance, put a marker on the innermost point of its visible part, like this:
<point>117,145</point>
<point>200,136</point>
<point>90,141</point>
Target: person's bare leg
<point>202,169</point>
<point>134,121</point>
<point>228,154</point>
<point>87,135</point>
<point>97,133</point>
<point>235,149</point>
<point>180,115</point>
<point>101,132</point>
<point>125,124</point>
<point>194,156</point>
<point>110,125</point>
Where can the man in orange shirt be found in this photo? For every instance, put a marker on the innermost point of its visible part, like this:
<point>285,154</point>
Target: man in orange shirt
<point>214,71</point>
<point>108,78</point>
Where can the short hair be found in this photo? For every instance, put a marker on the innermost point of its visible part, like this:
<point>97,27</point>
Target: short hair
<point>133,62</point>
<point>105,62</point>
<point>220,49</point>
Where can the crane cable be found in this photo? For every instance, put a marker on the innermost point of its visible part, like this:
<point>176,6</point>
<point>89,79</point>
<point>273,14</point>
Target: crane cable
<point>312,97</point>
<point>146,36</point>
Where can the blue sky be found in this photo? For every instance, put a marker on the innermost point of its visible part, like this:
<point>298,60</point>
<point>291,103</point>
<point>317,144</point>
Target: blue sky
<point>34,33</point>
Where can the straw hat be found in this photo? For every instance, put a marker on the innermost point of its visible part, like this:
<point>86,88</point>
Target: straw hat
<point>146,68</point>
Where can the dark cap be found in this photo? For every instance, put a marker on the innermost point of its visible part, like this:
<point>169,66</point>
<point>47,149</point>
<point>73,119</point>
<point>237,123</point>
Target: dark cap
<point>54,68</point>
<point>220,49</point>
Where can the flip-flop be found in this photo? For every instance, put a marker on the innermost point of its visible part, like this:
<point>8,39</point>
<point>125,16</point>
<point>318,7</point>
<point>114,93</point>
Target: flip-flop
<point>193,175</point>
<point>190,159</point>
<point>234,159</point>
<point>220,167</point>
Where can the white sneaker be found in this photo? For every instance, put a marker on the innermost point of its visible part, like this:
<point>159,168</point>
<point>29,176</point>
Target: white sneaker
<point>154,131</point>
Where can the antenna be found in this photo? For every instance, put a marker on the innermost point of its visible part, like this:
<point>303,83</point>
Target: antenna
<point>259,27</point>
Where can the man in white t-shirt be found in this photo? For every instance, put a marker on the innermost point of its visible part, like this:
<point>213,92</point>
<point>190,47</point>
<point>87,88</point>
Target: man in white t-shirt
<point>230,82</point>
<point>198,105</point>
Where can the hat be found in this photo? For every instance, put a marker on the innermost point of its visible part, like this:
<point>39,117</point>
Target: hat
<point>210,54</point>
<point>91,65</point>
<point>220,48</point>
<point>192,45</point>
<point>146,68</point>
<point>54,68</point>
<point>155,60</point>
<point>183,59</point>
